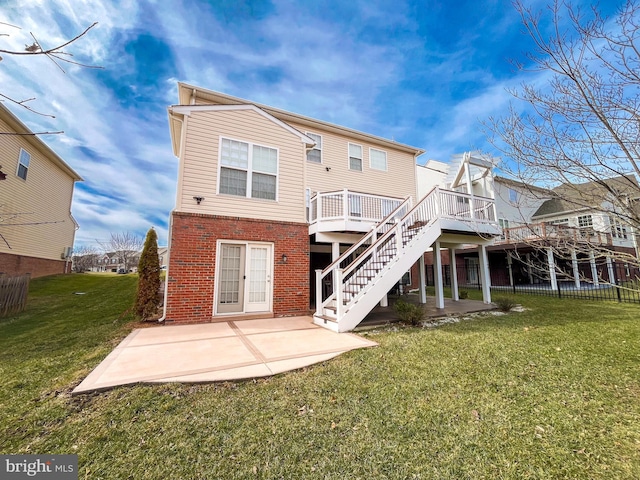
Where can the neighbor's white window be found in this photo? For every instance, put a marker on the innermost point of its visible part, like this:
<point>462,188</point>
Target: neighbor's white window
<point>315,154</point>
<point>355,157</point>
<point>513,195</point>
<point>23,164</point>
<point>504,224</point>
<point>618,229</point>
<point>585,221</point>
<point>378,159</point>
<point>248,170</point>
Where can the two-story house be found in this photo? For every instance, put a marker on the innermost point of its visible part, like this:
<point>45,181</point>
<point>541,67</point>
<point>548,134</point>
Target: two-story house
<point>279,214</point>
<point>37,229</point>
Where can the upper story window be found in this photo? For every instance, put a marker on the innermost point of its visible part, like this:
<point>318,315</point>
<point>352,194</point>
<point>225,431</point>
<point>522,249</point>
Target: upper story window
<point>513,195</point>
<point>504,224</point>
<point>378,159</point>
<point>618,229</point>
<point>315,154</point>
<point>248,170</point>
<point>585,221</point>
<point>23,164</point>
<point>355,157</point>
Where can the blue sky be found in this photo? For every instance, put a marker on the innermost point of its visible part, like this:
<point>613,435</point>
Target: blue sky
<point>425,73</point>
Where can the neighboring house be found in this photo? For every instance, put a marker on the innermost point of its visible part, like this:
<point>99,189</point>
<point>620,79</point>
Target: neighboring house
<point>163,256</point>
<point>36,226</point>
<point>277,213</point>
<point>571,233</point>
<point>116,262</point>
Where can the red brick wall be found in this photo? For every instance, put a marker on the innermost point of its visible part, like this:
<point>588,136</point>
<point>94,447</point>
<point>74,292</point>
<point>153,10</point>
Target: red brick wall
<point>192,263</point>
<point>37,267</point>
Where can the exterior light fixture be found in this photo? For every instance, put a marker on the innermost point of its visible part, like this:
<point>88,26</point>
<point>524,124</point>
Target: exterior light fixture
<point>284,258</point>
<point>198,199</point>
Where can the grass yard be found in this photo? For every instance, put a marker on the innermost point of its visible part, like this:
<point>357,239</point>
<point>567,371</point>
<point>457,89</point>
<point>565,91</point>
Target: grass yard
<point>552,392</point>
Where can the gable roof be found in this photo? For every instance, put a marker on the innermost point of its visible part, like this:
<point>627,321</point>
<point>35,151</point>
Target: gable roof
<point>187,109</point>
<point>18,127</point>
<point>571,197</point>
<point>188,93</point>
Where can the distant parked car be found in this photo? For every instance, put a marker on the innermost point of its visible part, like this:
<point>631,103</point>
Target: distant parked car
<point>163,267</point>
<point>122,271</point>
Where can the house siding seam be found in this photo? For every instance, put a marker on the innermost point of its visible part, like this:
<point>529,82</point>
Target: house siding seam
<point>191,281</point>
<point>37,267</point>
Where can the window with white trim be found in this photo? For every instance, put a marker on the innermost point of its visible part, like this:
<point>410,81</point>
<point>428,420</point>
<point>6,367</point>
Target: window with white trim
<point>315,154</point>
<point>618,229</point>
<point>585,221</point>
<point>504,224</point>
<point>355,157</point>
<point>378,159</point>
<point>513,195</point>
<point>23,164</point>
<point>248,170</point>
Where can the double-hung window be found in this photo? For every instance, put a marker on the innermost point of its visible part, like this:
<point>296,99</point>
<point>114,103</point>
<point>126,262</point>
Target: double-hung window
<point>513,195</point>
<point>355,157</point>
<point>315,154</point>
<point>378,159</point>
<point>23,164</point>
<point>248,170</point>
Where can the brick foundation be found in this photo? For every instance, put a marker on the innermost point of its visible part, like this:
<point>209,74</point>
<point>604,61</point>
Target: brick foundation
<point>37,267</point>
<point>192,260</point>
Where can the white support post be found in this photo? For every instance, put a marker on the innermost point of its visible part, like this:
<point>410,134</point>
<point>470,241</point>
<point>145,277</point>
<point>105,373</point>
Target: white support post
<point>469,189</point>
<point>318,292</point>
<point>437,275</point>
<point>594,269</point>
<point>384,302</point>
<point>335,253</point>
<point>345,204</point>
<point>485,279</point>
<point>552,270</point>
<point>612,276</point>
<point>422,280</point>
<point>574,267</point>
<point>337,290</point>
<point>318,207</point>
<point>454,275</point>
<point>510,268</point>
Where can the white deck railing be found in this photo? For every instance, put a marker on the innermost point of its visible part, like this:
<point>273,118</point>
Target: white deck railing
<point>348,206</point>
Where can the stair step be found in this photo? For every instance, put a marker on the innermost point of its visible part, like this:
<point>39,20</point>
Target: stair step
<point>326,318</point>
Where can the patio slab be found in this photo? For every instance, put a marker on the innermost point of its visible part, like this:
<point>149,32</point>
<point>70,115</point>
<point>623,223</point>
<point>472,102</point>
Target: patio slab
<point>212,352</point>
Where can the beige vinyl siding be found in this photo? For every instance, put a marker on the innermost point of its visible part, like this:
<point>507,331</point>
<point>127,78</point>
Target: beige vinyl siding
<point>45,196</point>
<point>398,181</point>
<point>200,166</point>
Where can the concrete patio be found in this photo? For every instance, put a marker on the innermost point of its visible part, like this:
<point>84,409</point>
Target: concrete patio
<point>240,349</point>
<point>213,352</point>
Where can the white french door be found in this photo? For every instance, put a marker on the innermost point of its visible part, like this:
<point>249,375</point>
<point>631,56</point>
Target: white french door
<point>244,278</point>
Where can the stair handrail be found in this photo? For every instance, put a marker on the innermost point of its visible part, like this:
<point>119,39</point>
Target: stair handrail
<point>342,273</point>
<point>435,191</point>
<point>374,231</point>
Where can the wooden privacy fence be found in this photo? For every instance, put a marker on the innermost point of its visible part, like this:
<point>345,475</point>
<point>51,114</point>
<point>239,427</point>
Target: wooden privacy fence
<point>13,294</point>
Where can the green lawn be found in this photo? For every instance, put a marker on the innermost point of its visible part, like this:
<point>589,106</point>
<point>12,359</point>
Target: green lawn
<point>553,392</point>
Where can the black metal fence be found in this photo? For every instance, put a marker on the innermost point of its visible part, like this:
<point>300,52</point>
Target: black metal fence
<point>618,282</point>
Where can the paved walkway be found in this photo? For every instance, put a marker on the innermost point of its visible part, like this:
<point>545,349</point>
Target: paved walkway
<point>218,351</point>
